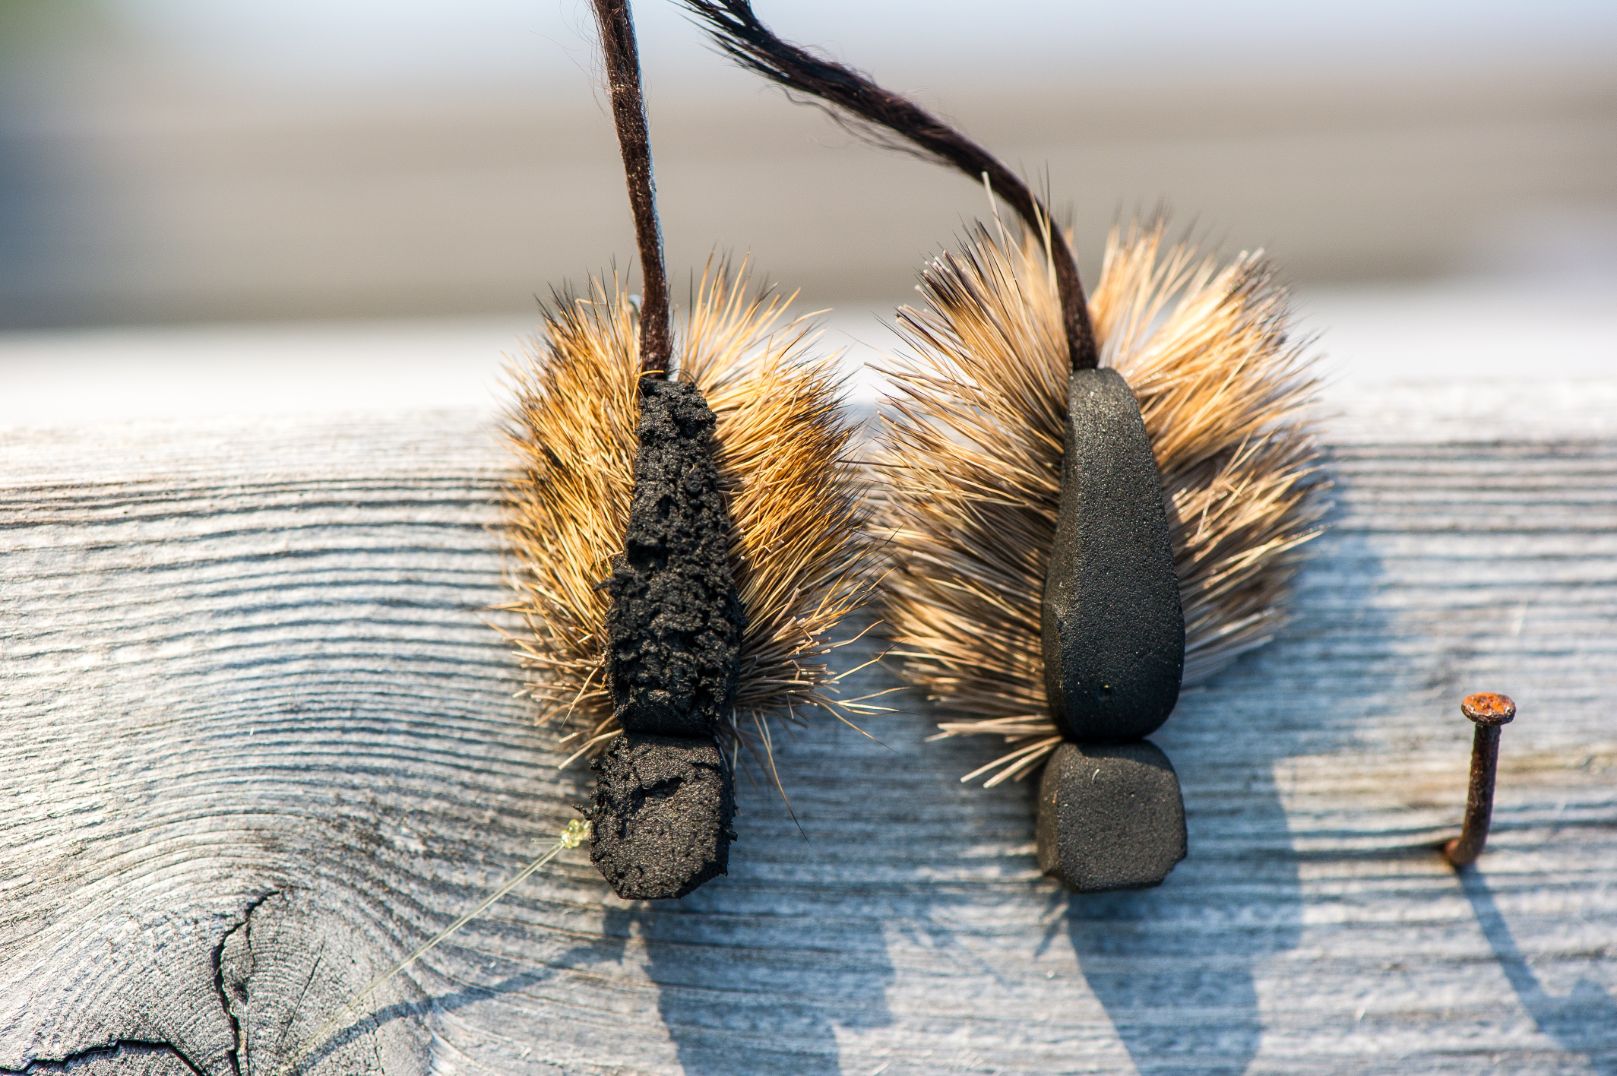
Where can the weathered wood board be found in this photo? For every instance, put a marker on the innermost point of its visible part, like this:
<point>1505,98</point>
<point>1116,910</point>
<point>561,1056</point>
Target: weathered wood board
<point>260,739</point>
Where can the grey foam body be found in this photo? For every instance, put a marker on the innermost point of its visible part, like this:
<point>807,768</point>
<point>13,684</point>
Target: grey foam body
<point>1113,629</point>
<point>1110,816</point>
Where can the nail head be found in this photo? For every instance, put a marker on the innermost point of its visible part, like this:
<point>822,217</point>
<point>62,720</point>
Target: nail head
<point>1488,708</point>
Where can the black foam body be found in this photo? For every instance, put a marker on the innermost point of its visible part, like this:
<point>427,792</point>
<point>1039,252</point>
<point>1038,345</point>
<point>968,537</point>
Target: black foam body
<point>674,629</point>
<point>1113,628</point>
<point>1110,816</point>
<point>662,812</point>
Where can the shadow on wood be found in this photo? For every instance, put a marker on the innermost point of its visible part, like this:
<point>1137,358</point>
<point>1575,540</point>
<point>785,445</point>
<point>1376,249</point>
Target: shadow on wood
<point>268,743</point>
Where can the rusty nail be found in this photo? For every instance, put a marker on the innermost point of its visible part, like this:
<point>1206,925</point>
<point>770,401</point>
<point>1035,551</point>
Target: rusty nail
<point>1487,711</point>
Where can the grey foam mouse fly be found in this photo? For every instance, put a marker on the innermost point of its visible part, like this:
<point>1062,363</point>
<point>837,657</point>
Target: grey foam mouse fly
<point>1095,498</point>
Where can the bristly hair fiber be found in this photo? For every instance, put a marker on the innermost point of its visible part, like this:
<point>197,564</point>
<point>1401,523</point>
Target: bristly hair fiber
<point>797,499</point>
<point>974,444</point>
<point>972,451</point>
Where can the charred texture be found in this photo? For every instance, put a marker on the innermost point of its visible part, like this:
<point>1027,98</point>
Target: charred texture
<point>675,623</point>
<point>663,797</point>
<point>1110,817</point>
<point>1113,626</point>
<point>661,815</point>
<point>673,631</point>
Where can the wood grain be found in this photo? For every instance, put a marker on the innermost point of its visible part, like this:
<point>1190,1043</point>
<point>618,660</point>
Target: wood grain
<point>260,739</point>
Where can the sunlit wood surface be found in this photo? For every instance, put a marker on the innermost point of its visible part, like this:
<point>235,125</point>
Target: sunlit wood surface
<point>260,738</point>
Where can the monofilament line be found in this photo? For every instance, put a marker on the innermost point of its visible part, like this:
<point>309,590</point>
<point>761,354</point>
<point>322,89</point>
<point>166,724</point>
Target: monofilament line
<point>576,833</point>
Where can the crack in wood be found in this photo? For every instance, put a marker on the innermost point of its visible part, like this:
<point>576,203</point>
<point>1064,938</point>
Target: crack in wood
<point>237,985</point>
<point>117,1048</point>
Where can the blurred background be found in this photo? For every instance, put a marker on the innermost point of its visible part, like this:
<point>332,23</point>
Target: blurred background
<point>306,205</point>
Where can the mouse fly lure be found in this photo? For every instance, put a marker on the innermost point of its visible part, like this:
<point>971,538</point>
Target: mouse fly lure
<point>1093,500</point>
<point>687,526</point>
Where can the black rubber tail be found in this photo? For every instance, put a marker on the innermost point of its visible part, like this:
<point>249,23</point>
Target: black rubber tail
<point>847,93</point>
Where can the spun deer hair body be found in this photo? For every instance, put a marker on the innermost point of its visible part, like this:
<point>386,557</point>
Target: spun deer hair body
<point>972,442</point>
<point>798,548</point>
